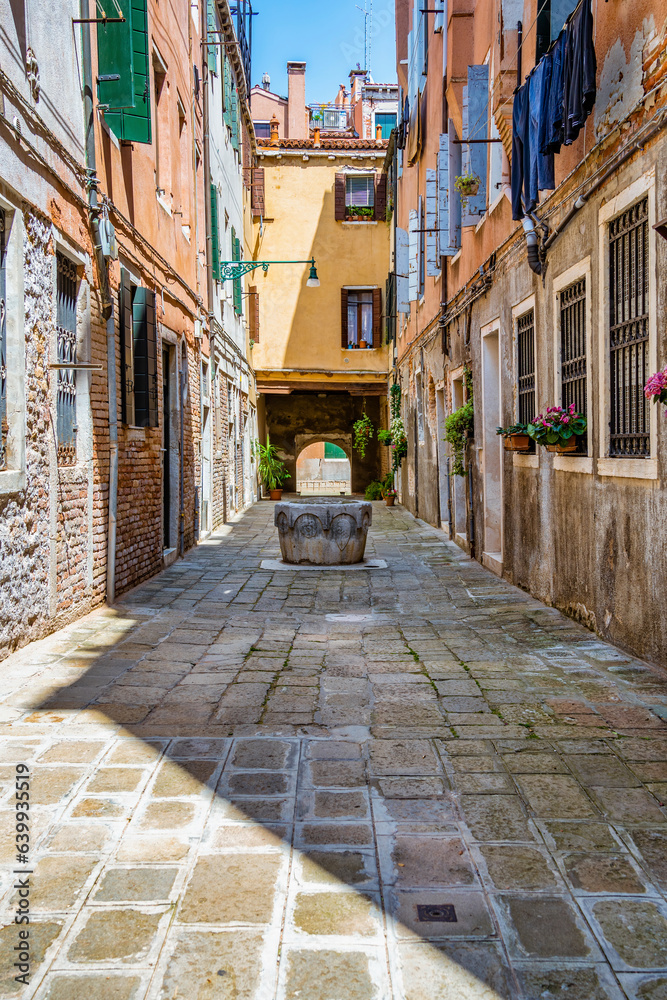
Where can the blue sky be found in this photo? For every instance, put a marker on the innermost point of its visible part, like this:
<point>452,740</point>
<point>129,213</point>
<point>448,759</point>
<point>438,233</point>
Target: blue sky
<point>331,44</point>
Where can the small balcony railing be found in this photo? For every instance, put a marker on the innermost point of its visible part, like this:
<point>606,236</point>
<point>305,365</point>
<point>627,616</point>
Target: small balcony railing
<point>328,117</point>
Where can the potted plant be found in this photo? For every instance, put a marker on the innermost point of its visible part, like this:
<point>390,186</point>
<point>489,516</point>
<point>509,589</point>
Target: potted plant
<point>656,387</point>
<point>271,470</point>
<point>384,437</point>
<point>515,438</point>
<point>390,497</point>
<point>558,428</point>
<point>467,185</point>
<point>363,432</point>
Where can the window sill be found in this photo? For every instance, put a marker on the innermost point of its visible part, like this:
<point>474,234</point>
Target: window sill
<point>525,461</point>
<point>11,481</point>
<point>360,222</point>
<point>628,468</point>
<point>456,258</point>
<point>573,463</point>
<point>165,205</point>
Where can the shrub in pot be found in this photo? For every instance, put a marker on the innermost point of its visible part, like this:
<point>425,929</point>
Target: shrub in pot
<point>515,438</point>
<point>272,471</point>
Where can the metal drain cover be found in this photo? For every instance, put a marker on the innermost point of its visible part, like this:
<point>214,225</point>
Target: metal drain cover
<point>443,913</point>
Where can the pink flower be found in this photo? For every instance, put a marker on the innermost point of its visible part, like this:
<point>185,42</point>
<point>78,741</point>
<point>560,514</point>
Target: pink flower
<point>566,420</point>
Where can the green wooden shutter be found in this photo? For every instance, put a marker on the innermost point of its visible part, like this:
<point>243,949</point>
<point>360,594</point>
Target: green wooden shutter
<point>134,124</point>
<point>215,235</point>
<point>126,354</point>
<point>115,62</point>
<point>235,117</point>
<point>228,93</point>
<point>140,308</point>
<point>236,255</point>
<point>211,27</point>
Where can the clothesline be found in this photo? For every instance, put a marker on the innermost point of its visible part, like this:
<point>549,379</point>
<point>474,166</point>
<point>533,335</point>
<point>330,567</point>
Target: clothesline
<point>504,73</point>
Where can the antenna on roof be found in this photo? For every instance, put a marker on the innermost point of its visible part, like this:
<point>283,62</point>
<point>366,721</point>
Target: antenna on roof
<point>368,33</point>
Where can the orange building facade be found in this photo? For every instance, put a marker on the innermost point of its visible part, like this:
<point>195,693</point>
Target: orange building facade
<point>516,315</point>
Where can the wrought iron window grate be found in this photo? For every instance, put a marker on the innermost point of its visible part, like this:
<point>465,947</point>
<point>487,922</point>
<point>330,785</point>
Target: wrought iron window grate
<point>526,366</point>
<point>628,332</point>
<point>66,333</point>
<point>573,359</point>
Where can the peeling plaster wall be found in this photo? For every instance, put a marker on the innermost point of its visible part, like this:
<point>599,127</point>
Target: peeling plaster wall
<point>621,79</point>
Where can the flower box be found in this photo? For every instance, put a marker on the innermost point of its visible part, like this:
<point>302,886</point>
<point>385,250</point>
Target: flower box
<point>517,442</point>
<point>563,447</point>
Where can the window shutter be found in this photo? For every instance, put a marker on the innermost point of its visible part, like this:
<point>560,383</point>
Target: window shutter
<point>439,19</point>
<point>402,266</point>
<point>236,255</point>
<point>115,61</point>
<point>235,117</point>
<point>253,313</point>
<point>477,127</point>
<point>126,358</point>
<point>343,318</point>
<point>413,256</point>
<point>377,317</point>
<point>339,199</point>
<point>212,50</point>
<point>151,350</point>
<point>432,258</point>
<point>421,247</point>
<point>145,360</point>
<point>215,235</point>
<point>381,197</point>
<point>449,203</point>
<point>257,193</point>
<point>134,124</point>
<point>454,171</point>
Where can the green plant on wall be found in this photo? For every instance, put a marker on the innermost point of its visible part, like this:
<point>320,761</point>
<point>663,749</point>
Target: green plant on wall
<point>458,423</point>
<point>363,432</point>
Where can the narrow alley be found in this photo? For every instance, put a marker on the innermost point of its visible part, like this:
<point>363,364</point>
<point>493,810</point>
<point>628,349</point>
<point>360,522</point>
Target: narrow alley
<point>409,783</point>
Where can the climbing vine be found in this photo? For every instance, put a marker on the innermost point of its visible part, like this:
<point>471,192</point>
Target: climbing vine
<point>457,424</point>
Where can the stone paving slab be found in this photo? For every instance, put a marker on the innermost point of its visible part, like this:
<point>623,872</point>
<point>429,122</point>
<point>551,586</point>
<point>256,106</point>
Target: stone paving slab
<point>412,783</point>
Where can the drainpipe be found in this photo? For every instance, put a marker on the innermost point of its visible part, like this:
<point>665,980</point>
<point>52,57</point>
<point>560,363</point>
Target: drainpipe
<point>534,262</point>
<point>107,299</point>
<point>181,518</point>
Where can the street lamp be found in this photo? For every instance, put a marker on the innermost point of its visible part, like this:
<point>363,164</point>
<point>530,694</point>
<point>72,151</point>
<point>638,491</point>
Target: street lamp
<point>233,269</point>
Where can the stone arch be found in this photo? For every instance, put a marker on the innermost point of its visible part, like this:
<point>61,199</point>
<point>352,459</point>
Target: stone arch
<point>337,482</point>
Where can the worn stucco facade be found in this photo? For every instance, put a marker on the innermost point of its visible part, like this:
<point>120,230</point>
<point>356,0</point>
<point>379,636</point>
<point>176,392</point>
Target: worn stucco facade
<point>585,533</point>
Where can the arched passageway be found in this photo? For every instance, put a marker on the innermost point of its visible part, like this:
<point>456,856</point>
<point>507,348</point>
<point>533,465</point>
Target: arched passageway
<point>323,467</point>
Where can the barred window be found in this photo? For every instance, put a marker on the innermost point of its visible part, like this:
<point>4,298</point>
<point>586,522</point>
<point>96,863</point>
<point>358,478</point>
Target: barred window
<point>4,427</point>
<point>525,335</point>
<point>66,289</point>
<point>573,359</point>
<point>628,332</point>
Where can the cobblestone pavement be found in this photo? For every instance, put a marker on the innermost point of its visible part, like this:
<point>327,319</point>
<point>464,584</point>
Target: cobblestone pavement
<point>413,783</point>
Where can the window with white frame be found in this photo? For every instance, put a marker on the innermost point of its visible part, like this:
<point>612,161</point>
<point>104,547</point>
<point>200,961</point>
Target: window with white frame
<point>525,344</point>
<point>573,352</point>
<point>360,193</point>
<point>628,278</point>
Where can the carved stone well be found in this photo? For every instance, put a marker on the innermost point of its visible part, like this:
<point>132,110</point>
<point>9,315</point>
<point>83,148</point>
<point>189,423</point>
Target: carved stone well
<point>323,532</point>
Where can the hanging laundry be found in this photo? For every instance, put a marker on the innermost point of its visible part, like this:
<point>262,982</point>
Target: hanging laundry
<point>579,71</point>
<point>552,130</point>
<point>532,171</point>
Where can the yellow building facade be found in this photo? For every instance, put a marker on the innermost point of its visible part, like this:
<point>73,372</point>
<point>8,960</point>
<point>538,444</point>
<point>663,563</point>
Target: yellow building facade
<point>320,354</point>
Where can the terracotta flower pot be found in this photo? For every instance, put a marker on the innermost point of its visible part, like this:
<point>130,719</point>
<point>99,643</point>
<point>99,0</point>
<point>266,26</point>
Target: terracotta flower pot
<point>564,447</point>
<point>390,501</point>
<point>275,494</point>
<point>517,442</point>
